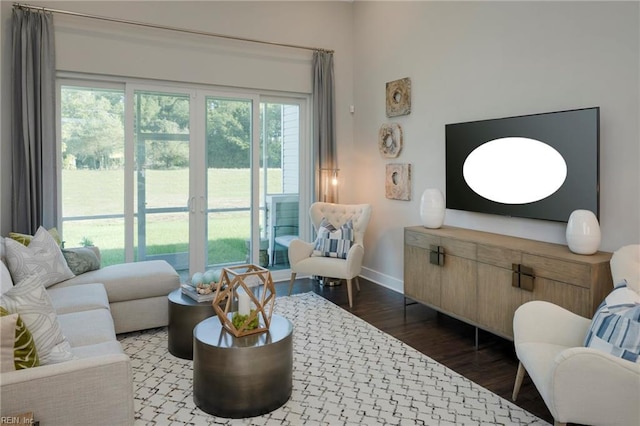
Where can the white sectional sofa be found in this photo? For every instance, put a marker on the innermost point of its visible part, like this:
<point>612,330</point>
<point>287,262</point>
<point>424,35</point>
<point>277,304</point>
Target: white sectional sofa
<point>96,387</point>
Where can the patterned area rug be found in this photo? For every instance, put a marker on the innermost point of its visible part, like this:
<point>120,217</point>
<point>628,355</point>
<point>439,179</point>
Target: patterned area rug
<point>345,372</point>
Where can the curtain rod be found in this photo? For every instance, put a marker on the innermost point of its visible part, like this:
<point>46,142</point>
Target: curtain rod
<point>164,27</point>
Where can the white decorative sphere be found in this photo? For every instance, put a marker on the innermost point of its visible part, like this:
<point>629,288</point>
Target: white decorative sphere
<point>432,208</point>
<point>583,232</point>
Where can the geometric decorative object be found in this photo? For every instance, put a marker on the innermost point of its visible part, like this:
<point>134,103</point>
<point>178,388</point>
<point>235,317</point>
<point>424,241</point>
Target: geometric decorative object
<point>398,181</point>
<point>432,208</point>
<point>248,287</point>
<point>583,232</point>
<point>390,140</point>
<point>399,97</point>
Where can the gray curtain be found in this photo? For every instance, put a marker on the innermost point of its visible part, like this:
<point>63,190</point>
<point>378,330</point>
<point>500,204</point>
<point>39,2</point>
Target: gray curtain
<point>33,132</point>
<point>324,132</point>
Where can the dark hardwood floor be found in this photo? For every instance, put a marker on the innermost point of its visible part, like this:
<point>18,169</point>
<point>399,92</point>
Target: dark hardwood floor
<point>449,341</point>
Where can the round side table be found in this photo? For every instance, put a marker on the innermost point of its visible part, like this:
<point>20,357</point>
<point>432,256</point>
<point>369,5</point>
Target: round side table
<point>184,314</point>
<point>238,377</point>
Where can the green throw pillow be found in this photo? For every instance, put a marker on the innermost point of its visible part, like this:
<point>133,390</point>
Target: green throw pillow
<point>24,348</point>
<point>81,260</point>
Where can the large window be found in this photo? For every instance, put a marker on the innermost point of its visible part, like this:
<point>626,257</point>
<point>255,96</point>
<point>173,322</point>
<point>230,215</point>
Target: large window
<point>181,174</point>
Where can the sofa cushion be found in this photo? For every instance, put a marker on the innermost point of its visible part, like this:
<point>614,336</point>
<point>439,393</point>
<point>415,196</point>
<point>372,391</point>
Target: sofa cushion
<point>105,348</point>
<point>78,298</point>
<point>42,257</point>
<point>332,242</point>
<point>615,328</point>
<point>130,281</point>
<point>87,327</point>
<point>30,299</point>
<point>23,347</point>
<point>81,260</point>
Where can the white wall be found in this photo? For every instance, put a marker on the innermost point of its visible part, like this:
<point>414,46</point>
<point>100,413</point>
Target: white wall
<point>479,60</point>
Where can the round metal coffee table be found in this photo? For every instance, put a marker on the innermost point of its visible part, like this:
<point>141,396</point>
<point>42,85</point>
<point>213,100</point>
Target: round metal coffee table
<point>184,314</point>
<point>238,377</point>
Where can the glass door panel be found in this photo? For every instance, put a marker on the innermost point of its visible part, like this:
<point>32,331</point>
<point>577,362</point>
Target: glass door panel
<point>92,151</point>
<point>229,136</point>
<point>162,136</point>
<point>279,177</point>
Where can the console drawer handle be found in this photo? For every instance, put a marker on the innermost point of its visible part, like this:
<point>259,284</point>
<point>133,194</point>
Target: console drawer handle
<point>522,276</point>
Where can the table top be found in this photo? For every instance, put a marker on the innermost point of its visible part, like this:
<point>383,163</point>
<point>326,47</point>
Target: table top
<point>177,297</point>
<point>212,333</point>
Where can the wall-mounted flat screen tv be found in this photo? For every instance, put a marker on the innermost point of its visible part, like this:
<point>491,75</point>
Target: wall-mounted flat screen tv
<point>539,166</point>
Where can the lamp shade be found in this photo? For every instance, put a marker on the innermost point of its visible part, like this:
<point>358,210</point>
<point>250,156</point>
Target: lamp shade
<point>432,208</point>
<point>583,232</point>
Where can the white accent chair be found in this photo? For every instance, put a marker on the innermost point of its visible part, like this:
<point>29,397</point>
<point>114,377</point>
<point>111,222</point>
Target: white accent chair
<point>302,262</point>
<point>578,384</point>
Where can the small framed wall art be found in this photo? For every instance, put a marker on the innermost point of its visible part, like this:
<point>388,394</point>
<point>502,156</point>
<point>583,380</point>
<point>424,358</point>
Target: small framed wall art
<point>397,183</point>
<point>399,97</point>
<point>390,140</point>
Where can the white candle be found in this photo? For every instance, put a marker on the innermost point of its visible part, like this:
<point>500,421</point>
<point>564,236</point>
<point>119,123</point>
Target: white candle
<point>243,302</point>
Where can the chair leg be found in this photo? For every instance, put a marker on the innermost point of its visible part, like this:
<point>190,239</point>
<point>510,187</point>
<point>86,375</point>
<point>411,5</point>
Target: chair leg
<point>357,283</point>
<point>350,293</point>
<point>518,383</point>
<point>293,278</point>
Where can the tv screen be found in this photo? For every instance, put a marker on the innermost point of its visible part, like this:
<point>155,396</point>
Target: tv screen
<point>539,166</point>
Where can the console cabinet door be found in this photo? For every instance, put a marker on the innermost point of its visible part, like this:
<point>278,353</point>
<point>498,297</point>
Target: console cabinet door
<point>459,278</point>
<point>421,278</point>
<point>497,298</point>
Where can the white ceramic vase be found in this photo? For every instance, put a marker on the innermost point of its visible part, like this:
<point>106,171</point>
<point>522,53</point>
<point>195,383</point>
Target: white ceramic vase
<point>432,208</point>
<point>583,232</point>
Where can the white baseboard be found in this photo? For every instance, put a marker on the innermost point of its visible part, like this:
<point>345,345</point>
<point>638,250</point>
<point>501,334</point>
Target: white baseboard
<point>387,281</point>
<point>374,276</point>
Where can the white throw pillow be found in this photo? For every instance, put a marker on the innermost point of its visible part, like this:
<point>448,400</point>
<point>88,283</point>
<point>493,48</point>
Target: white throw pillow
<point>30,299</point>
<point>41,257</point>
<point>6,283</point>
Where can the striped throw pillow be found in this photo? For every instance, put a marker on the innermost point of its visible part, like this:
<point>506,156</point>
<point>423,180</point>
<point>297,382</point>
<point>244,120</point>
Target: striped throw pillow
<point>615,327</point>
<point>332,242</point>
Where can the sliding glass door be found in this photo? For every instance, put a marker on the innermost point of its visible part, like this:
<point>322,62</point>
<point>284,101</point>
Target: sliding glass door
<point>197,177</point>
<point>194,182</point>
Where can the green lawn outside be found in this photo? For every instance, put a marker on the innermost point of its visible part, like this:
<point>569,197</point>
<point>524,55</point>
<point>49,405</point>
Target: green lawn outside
<point>96,192</point>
